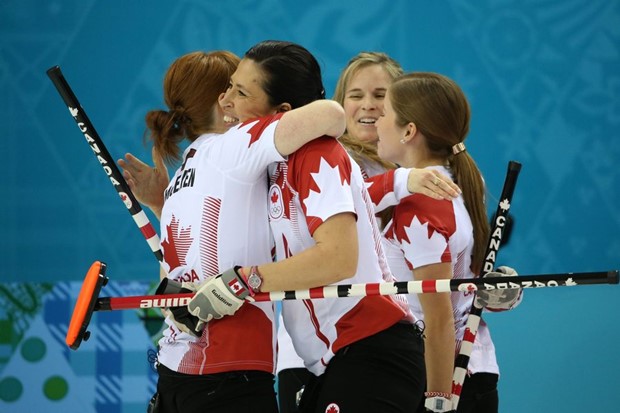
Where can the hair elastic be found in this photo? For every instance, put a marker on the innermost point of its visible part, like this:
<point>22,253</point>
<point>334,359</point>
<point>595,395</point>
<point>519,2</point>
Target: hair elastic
<point>458,148</point>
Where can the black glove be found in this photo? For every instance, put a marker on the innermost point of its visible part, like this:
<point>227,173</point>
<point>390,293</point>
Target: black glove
<point>180,316</point>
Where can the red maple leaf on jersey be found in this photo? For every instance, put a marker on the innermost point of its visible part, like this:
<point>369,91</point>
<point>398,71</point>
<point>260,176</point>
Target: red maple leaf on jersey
<point>317,156</point>
<point>175,255</point>
<point>274,197</point>
<point>438,215</point>
<point>257,129</point>
<point>316,171</point>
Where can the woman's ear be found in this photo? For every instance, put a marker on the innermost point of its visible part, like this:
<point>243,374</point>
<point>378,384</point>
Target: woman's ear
<point>284,107</point>
<point>411,130</point>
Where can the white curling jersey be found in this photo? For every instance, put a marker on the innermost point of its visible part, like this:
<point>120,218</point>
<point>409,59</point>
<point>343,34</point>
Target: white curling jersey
<point>215,217</point>
<point>426,231</point>
<point>316,182</point>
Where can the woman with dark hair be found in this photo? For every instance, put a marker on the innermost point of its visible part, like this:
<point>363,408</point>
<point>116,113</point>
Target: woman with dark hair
<point>213,215</point>
<point>325,233</point>
<point>212,219</point>
<point>360,90</point>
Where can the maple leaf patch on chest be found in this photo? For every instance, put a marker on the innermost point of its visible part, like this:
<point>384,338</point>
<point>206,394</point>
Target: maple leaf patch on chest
<point>276,206</point>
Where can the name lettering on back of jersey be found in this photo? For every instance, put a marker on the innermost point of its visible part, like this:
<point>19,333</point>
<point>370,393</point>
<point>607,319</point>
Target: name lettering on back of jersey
<point>184,180</point>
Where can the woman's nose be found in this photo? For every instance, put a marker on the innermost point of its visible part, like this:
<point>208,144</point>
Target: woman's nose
<point>223,99</point>
<point>369,103</point>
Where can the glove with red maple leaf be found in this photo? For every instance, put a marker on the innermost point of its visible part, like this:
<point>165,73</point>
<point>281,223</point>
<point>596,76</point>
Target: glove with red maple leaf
<point>181,318</point>
<point>222,295</point>
<point>499,299</point>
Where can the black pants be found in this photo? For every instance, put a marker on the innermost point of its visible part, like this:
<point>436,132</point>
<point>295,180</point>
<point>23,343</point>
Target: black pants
<point>233,392</point>
<point>381,373</point>
<point>479,395</point>
<point>290,381</point>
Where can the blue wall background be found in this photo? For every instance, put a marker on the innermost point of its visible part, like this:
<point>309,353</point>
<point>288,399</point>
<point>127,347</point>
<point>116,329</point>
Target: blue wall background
<point>543,79</point>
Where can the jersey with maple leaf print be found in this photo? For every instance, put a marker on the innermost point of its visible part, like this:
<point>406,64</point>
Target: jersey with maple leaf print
<point>386,188</point>
<point>426,231</point>
<point>215,217</point>
<point>318,181</point>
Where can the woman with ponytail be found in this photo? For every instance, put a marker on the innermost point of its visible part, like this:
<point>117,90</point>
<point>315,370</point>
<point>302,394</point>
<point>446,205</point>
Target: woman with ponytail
<point>424,124</point>
<point>213,215</point>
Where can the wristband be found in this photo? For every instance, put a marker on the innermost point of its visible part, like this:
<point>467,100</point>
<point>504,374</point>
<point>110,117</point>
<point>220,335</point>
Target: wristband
<point>437,394</point>
<point>244,278</point>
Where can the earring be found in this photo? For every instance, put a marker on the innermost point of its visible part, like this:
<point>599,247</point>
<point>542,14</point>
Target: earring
<point>403,141</point>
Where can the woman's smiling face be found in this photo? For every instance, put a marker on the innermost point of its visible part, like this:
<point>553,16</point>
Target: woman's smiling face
<point>245,97</point>
<point>363,101</point>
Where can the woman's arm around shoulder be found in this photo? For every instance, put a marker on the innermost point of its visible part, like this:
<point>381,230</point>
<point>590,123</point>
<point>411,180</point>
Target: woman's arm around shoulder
<point>299,126</point>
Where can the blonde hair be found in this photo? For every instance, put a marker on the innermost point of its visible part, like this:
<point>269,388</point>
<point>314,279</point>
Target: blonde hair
<point>364,151</point>
<point>192,86</point>
<point>439,109</point>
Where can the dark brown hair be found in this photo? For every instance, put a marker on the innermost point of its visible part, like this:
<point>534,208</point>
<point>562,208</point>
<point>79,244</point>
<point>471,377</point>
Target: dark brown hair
<point>292,73</point>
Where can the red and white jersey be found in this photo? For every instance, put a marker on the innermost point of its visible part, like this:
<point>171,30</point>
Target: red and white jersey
<point>316,182</point>
<point>287,356</point>
<point>215,217</point>
<point>426,231</point>
<point>388,188</point>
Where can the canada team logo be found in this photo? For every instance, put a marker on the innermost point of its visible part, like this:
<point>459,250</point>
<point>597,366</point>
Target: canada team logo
<point>276,207</point>
<point>468,287</point>
<point>332,408</point>
<point>236,286</point>
<point>126,200</point>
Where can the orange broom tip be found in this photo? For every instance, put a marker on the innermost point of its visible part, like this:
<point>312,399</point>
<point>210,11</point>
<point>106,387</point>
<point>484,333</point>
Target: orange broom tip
<point>85,305</point>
